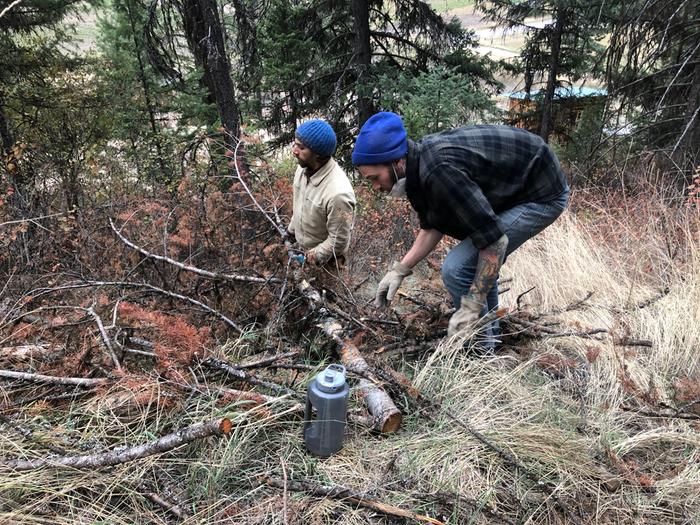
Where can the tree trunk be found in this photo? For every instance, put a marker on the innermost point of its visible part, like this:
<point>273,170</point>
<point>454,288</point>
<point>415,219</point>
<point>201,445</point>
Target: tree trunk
<point>5,132</point>
<point>147,93</point>
<point>687,150</point>
<point>362,58</point>
<point>206,41</point>
<point>220,73</point>
<point>548,100</point>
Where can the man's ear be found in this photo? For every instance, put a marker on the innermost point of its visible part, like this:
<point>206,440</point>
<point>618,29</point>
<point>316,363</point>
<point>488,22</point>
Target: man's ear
<point>400,166</point>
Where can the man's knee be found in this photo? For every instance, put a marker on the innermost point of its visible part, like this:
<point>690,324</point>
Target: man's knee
<point>450,272</point>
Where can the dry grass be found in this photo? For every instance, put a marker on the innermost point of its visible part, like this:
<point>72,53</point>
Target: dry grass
<point>605,412</point>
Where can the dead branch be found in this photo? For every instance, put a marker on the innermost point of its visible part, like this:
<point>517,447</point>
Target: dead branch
<point>193,269</point>
<point>517,301</point>
<point>167,505</point>
<point>105,338</point>
<point>236,373</point>
<point>126,284</point>
<point>634,342</point>
<point>257,398</point>
<point>676,414</point>
<point>39,378</point>
<point>344,493</point>
<point>663,293</point>
<point>539,329</point>
<point>449,499</point>
<point>45,397</point>
<point>269,360</point>
<point>125,454</point>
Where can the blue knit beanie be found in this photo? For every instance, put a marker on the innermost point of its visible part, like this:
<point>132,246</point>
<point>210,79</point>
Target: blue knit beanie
<point>318,136</point>
<point>381,139</point>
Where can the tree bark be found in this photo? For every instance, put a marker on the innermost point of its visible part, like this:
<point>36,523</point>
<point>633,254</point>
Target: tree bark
<point>548,100</point>
<point>362,58</point>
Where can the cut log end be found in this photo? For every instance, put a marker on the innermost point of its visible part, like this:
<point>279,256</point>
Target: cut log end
<point>390,423</point>
<point>225,426</point>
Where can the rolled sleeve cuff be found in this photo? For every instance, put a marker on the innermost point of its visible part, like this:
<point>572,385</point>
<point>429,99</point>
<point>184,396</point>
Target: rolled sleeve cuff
<point>486,235</point>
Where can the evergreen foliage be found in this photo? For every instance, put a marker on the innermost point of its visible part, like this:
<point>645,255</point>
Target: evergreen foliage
<point>562,51</point>
<point>434,101</point>
<point>653,65</point>
<point>310,59</point>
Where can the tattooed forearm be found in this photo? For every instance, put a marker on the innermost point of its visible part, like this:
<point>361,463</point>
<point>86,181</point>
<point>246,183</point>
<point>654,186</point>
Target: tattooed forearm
<point>487,268</point>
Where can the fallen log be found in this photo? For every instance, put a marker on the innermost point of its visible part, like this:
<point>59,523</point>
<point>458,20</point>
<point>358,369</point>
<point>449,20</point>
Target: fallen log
<point>39,378</point>
<point>387,418</point>
<point>125,454</point>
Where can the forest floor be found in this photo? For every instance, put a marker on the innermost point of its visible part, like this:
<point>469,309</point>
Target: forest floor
<point>137,390</point>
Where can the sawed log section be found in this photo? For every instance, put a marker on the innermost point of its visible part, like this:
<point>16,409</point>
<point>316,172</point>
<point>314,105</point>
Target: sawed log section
<point>387,418</point>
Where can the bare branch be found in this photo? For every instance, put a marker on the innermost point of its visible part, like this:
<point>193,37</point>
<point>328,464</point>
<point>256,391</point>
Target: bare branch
<point>39,378</point>
<point>125,454</point>
<point>193,269</point>
<point>344,493</point>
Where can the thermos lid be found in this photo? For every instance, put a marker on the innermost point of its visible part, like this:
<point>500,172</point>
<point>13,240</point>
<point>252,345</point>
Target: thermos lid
<point>332,379</point>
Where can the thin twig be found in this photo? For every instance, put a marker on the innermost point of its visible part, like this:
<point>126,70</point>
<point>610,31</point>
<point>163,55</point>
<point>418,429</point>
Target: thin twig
<point>237,373</point>
<point>105,338</point>
<point>344,493</point>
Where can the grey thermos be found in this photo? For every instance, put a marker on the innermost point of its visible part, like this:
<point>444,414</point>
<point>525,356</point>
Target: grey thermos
<point>328,395</point>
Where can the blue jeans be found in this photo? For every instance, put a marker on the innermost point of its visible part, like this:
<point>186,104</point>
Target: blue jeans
<point>519,223</point>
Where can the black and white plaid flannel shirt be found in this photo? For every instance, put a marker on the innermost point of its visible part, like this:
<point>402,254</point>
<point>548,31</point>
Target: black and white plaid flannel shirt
<point>459,180</point>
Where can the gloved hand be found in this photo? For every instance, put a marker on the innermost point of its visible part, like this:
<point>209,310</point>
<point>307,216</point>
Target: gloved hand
<point>465,318</point>
<point>313,258</point>
<point>390,284</point>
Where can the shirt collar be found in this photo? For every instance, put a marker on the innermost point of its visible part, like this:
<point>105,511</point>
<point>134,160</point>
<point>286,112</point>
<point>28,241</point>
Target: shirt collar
<point>412,164</point>
<point>318,177</point>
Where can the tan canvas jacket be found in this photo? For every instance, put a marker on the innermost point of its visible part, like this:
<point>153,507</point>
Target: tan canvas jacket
<point>324,210</point>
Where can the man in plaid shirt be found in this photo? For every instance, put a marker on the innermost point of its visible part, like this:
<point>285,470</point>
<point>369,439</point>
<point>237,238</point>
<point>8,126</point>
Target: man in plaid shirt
<point>491,187</point>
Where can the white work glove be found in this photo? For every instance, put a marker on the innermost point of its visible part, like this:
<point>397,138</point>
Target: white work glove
<point>390,284</point>
<point>465,318</point>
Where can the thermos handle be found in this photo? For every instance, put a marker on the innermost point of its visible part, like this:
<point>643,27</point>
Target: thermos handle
<point>307,414</point>
<point>338,368</point>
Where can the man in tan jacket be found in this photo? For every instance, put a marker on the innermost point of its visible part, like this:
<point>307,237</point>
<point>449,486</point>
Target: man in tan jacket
<point>324,201</point>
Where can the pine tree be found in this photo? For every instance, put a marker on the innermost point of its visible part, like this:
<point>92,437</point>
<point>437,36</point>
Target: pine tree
<point>564,48</point>
<point>137,99</point>
<point>653,65</point>
<point>339,59</point>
